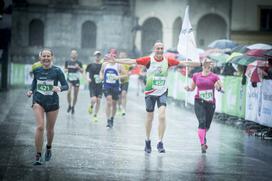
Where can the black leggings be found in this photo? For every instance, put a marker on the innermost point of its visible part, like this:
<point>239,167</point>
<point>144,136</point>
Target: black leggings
<point>204,112</point>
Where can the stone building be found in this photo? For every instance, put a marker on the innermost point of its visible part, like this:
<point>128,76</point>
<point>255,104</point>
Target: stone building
<point>131,25</point>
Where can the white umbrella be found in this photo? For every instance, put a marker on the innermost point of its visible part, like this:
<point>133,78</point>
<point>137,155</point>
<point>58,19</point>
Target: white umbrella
<point>261,46</point>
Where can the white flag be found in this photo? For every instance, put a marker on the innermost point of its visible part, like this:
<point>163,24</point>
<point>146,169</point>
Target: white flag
<point>186,44</point>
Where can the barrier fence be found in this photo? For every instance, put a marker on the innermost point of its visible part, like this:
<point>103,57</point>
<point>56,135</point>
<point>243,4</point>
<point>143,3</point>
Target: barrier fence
<point>243,101</point>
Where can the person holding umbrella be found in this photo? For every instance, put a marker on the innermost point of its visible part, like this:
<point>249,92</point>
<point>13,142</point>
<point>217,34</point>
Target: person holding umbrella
<point>206,82</point>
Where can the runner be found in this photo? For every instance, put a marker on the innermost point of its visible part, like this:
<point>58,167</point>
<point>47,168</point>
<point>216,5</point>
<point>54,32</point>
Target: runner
<point>206,82</point>
<point>46,101</point>
<point>36,65</point>
<point>122,102</point>
<point>110,73</point>
<point>141,80</point>
<point>156,89</point>
<point>73,68</point>
<point>95,84</point>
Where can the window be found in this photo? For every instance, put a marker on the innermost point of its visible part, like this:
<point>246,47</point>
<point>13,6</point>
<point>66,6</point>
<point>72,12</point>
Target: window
<point>266,19</point>
<point>88,35</point>
<point>36,33</point>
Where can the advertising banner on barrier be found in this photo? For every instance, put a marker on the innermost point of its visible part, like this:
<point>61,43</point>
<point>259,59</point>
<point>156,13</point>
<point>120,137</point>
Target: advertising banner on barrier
<point>177,86</point>
<point>17,76</point>
<point>252,96</point>
<point>28,78</point>
<point>171,83</point>
<point>218,98</point>
<point>233,100</point>
<point>264,114</point>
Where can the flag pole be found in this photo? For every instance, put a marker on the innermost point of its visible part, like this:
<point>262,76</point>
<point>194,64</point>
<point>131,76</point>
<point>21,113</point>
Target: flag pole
<point>186,73</point>
<point>187,46</point>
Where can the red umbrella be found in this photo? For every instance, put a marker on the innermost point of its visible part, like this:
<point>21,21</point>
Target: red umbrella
<point>256,52</point>
<point>255,70</point>
<point>170,55</point>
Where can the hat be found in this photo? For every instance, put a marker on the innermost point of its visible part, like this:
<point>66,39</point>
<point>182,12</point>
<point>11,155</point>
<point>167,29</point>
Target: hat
<point>97,52</point>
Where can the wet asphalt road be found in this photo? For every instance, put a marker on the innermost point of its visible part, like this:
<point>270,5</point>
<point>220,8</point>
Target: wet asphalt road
<point>87,150</point>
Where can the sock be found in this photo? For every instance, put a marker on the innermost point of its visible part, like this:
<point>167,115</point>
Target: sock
<point>201,135</point>
<point>112,118</point>
<point>48,147</point>
<point>39,153</point>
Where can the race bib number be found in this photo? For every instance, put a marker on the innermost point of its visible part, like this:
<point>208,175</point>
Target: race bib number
<point>159,82</point>
<point>206,95</point>
<point>97,79</point>
<point>73,76</point>
<point>45,87</point>
<point>110,78</point>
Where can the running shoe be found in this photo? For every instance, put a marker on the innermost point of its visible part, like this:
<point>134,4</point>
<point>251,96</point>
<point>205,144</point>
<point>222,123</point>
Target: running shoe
<point>108,123</point>
<point>123,113</point>
<point>160,147</point>
<point>69,109</point>
<point>38,160</point>
<point>73,110</point>
<point>95,118</point>
<point>47,154</point>
<point>111,122</point>
<point>90,110</point>
<point>118,112</point>
<point>147,146</point>
<point>204,147</point>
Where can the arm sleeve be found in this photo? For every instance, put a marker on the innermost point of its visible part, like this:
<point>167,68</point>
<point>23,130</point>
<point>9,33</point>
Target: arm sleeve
<point>87,68</point>
<point>66,64</point>
<point>80,64</point>
<point>64,86</point>
<point>172,62</point>
<point>34,83</point>
<point>143,61</point>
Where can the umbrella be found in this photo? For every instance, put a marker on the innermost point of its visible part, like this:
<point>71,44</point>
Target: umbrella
<point>256,52</point>
<point>210,51</point>
<point>172,50</point>
<point>254,70</point>
<point>219,58</point>
<point>240,49</point>
<point>170,55</point>
<point>260,46</point>
<point>234,54</point>
<point>268,53</point>
<point>245,59</point>
<point>223,44</point>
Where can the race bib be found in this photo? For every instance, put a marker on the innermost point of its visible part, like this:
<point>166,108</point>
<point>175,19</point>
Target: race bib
<point>110,78</point>
<point>158,82</point>
<point>206,95</point>
<point>73,76</point>
<point>45,87</point>
<point>97,79</point>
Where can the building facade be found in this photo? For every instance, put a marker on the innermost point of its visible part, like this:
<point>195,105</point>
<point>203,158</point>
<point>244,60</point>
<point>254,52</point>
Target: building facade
<point>131,25</point>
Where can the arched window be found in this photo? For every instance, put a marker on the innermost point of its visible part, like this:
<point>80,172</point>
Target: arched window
<point>36,33</point>
<point>176,31</point>
<point>151,32</point>
<point>88,35</point>
<point>207,33</point>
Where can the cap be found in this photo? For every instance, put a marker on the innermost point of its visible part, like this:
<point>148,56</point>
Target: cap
<point>97,52</point>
